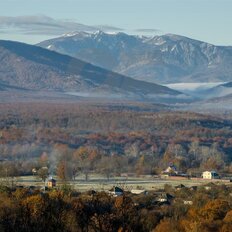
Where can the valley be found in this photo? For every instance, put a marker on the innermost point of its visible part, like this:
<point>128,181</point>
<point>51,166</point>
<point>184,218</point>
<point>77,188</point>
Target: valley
<point>105,131</point>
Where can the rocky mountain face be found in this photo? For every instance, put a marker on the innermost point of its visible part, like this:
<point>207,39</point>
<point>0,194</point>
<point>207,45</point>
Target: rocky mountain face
<point>30,67</point>
<point>159,59</point>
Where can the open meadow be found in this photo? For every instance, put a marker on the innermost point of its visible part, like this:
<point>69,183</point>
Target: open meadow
<point>100,183</point>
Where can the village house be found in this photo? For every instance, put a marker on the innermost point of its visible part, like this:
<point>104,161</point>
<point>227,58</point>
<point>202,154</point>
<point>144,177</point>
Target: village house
<point>51,183</point>
<point>163,198</point>
<point>116,191</point>
<point>170,170</point>
<point>210,175</point>
<point>139,191</point>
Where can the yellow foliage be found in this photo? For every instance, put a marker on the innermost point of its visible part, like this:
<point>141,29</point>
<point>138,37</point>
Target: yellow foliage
<point>228,217</point>
<point>35,204</point>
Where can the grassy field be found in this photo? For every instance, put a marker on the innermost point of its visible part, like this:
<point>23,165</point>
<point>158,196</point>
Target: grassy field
<point>99,183</point>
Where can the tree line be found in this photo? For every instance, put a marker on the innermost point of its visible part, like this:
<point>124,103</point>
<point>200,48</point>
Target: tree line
<point>64,210</point>
<point>108,139</point>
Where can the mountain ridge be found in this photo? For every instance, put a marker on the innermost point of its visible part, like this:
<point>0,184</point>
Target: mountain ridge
<point>159,59</point>
<point>35,68</point>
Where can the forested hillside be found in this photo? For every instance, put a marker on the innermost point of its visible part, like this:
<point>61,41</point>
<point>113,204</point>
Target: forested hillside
<point>65,210</point>
<point>132,138</point>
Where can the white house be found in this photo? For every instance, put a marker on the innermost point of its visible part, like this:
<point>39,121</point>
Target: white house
<point>139,191</point>
<point>210,175</point>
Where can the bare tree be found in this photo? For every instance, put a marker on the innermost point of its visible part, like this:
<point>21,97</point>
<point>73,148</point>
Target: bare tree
<point>43,174</point>
<point>106,166</point>
<point>8,173</point>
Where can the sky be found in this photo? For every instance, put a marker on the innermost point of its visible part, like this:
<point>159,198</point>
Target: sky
<point>32,21</point>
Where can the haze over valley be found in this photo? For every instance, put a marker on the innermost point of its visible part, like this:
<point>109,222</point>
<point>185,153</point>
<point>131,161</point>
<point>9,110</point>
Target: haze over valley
<point>115,116</point>
<point>165,69</point>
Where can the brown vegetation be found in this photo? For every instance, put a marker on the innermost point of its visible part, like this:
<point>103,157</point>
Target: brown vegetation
<point>65,210</point>
<point>111,139</point>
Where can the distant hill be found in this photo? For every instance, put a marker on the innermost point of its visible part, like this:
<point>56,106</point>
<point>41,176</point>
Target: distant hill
<point>30,67</point>
<point>159,59</point>
<point>217,99</point>
<point>222,90</point>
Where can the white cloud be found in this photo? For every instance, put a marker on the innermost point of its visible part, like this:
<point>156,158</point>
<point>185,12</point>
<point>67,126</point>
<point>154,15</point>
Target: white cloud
<point>44,25</point>
<point>148,30</point>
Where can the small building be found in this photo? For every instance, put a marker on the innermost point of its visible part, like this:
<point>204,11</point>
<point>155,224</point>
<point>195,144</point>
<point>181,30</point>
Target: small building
<point>139,191</point>
<point>116,191</point>
<point>179,187</point>
<point>163,198</point>
<point>51,183</point>
<point>210,175</point>
<point>170,170</point>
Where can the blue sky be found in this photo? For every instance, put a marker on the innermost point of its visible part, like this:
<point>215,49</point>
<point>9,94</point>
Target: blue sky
<point>207,20</point>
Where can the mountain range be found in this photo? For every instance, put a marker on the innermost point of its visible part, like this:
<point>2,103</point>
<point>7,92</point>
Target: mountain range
<point>28,67</point>
<point>159,59</point>
<point>99,65</point>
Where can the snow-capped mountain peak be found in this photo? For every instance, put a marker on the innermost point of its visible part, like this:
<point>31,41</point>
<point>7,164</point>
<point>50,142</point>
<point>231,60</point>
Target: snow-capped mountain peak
<point>161,59</point>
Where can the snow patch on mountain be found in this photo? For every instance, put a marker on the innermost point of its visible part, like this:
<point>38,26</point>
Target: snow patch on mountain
<point>162,59</point>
